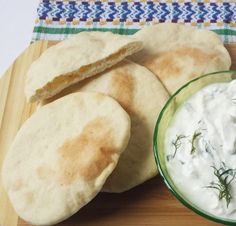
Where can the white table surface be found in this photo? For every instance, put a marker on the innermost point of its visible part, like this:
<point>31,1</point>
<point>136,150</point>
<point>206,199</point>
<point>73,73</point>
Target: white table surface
<point>17,21</point>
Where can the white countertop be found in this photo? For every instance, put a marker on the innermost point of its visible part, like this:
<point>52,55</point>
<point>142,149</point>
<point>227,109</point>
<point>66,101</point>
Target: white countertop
<point>17,19</point>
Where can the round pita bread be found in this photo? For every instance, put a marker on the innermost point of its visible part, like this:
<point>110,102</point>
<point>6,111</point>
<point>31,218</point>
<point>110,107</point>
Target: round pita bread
<point>62,156</point>
<point>72,60</point>
<point>141,94</point>
<point>178,53</point>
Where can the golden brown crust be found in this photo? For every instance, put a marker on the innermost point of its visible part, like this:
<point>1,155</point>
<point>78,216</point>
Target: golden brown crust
<point>167,65</point>
<point>122,87</point>
<point>88,154</point>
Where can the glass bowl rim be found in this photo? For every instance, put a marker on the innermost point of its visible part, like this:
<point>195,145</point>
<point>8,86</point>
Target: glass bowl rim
<point>159,164</point>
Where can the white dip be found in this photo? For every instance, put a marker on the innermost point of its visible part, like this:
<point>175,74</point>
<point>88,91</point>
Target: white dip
<point>201,140</point>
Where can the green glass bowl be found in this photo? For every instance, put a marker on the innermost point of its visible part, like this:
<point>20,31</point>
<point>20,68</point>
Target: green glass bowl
<point>164,120</point>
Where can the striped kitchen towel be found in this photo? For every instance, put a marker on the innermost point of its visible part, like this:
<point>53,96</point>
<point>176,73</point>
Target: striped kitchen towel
<point>57,19</point>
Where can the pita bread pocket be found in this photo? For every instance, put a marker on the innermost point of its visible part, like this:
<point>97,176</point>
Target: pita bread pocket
<point>79,57</point>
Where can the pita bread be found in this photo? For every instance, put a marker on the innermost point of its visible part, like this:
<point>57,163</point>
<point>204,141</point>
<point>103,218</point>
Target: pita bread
<point>178,53</point>
<point>62,156</point>
<point>81,56</point>
<point>141,94</point>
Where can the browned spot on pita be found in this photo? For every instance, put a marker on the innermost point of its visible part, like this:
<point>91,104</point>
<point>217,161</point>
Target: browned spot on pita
<point>29,197</point>
<point>167,64</point>
<point>44,172</point>
<point>17,185</point>
<point>122,88</point>
<point>163,67</point>
<point>99,98</point>
<point>197,54</point>
<point>87,155</point>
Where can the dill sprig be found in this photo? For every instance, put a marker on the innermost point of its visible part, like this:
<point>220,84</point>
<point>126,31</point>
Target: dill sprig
<point>224,178</point>
<point>177,143</point>
<point>194,137</point>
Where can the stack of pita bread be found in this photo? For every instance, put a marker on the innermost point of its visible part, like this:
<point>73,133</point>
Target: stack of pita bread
<point>98,110</point>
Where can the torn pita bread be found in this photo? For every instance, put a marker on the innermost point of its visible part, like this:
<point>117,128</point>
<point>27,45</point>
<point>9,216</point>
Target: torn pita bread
<point>79,57</point>
<point>62,156</point>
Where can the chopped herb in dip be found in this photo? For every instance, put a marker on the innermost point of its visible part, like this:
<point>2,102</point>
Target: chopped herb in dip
<point>201,154</point>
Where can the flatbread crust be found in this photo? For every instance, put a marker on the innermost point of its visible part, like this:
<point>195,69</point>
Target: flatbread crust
<point>62,156</point>
<point>178,53</point>
<point>142,95</point>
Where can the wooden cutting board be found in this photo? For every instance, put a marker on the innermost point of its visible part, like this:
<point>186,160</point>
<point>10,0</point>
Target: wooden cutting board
<point>148,204</point>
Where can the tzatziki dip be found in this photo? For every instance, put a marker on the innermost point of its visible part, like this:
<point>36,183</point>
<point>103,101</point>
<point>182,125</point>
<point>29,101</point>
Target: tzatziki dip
<point>200,149</point>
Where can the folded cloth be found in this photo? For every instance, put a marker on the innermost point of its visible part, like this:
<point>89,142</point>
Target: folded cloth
<point>57,19</point>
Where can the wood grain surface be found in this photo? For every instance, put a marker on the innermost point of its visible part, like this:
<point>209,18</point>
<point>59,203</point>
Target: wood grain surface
<point>148,204</point>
